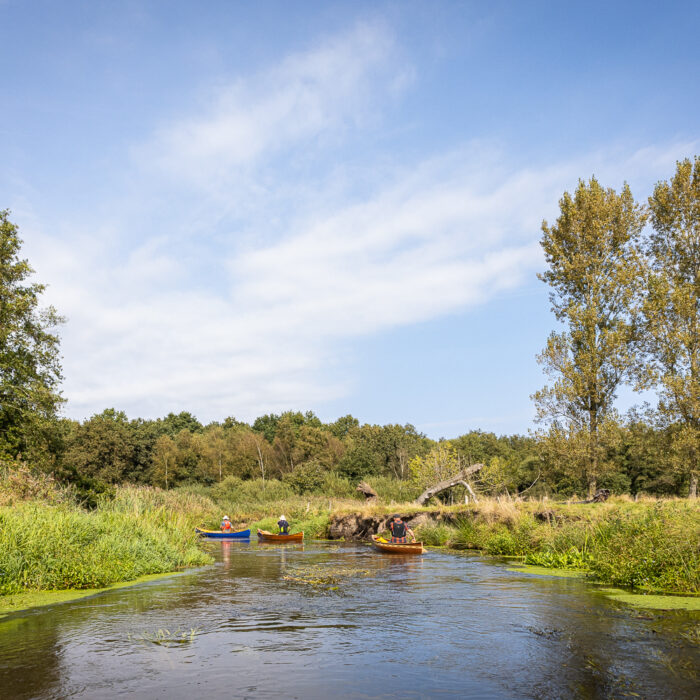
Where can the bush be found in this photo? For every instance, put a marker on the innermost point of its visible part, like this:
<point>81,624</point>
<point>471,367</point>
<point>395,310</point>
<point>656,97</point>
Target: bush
<point>435,535</point>
<point>658,549</point>
<point>56,547</point>
<point>306,477</point>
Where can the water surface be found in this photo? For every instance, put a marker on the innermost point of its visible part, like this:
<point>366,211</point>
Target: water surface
<point>438,626</point>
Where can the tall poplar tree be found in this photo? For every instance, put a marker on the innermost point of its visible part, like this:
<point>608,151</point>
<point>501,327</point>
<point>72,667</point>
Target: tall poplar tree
<point>672,312</point>
<point>30,370</point>
<point>593,258</point>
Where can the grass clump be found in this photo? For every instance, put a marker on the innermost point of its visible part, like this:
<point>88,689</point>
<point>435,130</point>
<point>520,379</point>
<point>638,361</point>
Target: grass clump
<point>656,549</point>
<point>435,535</point>
<point>166,638</point>
<point>53,547</point>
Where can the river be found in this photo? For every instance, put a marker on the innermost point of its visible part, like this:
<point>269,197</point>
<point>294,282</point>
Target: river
<point>443,625</point>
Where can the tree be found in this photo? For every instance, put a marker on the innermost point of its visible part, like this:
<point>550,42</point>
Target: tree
<point>593,256</point>
<point>672,313</point>
<point>213,448</point>
<point>173,424</point>
<point>164,460</point>
<point>30,370</point>
<point>102,447</point>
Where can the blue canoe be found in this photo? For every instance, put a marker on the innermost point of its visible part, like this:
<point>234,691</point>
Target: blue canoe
<point>218,535</point>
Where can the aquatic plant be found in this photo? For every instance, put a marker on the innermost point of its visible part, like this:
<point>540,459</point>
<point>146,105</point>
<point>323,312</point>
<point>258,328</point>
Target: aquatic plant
<point>322,577</point>
<point>166,638</point>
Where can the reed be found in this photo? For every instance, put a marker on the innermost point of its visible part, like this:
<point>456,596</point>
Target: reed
<point>52,547</point>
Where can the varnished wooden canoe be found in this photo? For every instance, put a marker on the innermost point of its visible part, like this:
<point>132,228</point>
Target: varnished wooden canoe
<point>408,548</point>
<point>219,535</point>
<point>266,536</point>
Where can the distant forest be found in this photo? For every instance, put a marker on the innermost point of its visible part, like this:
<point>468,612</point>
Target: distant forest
<point>301,450</point>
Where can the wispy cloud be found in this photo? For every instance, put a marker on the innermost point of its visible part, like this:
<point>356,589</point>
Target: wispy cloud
<point>306,99</point>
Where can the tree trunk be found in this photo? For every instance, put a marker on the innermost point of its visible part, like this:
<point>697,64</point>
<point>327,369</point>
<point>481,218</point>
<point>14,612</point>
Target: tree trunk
<point>592,452</point>
<point>456,480</point>
<point>693,491</point>
<point>592,483</point>
<point>367,491</point>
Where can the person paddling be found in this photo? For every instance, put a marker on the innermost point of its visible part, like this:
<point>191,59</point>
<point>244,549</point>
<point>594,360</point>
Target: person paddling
<point>283,525</point>
<point>399,530</point>
<point>225,524</point>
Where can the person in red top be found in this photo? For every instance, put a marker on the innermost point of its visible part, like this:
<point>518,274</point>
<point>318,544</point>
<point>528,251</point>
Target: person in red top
<point>225,524</point>
<point>399,530</point>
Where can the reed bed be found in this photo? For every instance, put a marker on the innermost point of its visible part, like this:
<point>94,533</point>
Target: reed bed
<point>47,541</point>
<point>53,547</point>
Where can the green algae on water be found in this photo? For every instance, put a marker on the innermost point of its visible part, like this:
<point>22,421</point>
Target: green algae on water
<point>545,571</point>
<point>16,602</point>
<point>653,601</point>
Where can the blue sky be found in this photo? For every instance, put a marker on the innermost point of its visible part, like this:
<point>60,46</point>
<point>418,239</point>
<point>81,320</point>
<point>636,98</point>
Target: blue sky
<point>329,206</point>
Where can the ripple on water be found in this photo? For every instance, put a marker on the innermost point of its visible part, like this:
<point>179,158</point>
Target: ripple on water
<point>432,626</point>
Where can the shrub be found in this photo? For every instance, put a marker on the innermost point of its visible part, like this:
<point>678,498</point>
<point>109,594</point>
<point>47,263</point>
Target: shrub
<point>658,549</point>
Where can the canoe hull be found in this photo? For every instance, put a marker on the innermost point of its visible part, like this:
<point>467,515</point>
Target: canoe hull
<point>266,536</point>
<point>218,535</point>
<point>392,548</point>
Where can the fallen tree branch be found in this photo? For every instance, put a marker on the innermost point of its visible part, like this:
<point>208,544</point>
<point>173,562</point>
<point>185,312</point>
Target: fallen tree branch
<point>367,491</point>
<point>458,479</point>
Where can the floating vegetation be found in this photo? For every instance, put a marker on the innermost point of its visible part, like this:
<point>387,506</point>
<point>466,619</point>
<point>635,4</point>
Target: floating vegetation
<point>323,577</point>
<point>166,638</point>
<point>692,635</point>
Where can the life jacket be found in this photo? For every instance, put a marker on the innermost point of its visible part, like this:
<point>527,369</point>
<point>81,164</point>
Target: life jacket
<point>226,525</point>
<point>398,529</point>
<point>283,526</point>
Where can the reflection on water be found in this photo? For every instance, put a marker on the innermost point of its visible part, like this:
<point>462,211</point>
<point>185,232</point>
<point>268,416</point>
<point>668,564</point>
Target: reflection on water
<point>441,625</point>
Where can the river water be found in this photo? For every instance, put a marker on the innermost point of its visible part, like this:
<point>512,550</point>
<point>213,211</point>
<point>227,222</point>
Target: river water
<point>438,626</point>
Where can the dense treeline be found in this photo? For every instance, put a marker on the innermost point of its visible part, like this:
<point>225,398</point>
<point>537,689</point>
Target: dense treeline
<point>625,285</point>
<point>301,450</point>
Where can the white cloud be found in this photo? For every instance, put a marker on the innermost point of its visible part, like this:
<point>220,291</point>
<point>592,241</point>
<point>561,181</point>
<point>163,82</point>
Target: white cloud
<point>301,100</point>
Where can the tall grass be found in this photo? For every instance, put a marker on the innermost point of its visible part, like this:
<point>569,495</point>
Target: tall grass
<point>653,546</point>
<point>45,547</point>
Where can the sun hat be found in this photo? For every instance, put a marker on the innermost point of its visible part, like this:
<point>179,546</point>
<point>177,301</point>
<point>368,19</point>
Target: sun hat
<point>282,517</point>
<point>226,517</point>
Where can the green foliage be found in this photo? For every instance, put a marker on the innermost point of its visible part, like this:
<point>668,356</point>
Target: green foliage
<point>306,477</point>
<point>658,549</point>
<point>672,314</point>
<point>435,535</point>
<point>55,547</point>
<point>594,266</point>
<point>392,490</point>
<point>30,370</point>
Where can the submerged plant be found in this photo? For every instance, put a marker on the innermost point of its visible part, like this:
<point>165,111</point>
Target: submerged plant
<point>166,638</point>
<point>321,577</point>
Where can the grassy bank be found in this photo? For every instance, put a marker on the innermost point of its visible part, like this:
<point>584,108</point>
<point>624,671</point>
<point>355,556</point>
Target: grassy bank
<point>54,546</point>
<point>652,546</point>
<point>49,542</point>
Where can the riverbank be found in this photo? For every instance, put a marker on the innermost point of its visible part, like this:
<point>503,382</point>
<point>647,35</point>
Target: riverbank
<point>47,546</point>
<point>48,542</point>
<point>652,546</point>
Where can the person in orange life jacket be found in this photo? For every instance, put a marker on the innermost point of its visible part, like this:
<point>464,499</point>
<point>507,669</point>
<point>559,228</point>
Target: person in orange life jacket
<point>283,525</point>
<point>225,524</point>
<point>399,529</point>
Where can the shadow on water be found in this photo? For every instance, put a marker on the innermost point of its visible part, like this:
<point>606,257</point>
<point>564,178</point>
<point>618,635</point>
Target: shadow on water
<point>440,625</point>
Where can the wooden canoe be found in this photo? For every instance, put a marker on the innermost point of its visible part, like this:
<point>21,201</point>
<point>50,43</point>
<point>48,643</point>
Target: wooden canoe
<point>266,536</point>
<point>394,548</point>
<point>219,535</point>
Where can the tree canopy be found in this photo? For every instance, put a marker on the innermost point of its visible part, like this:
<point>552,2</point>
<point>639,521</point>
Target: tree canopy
<point>30,369</point>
